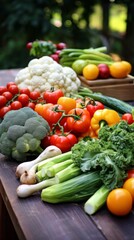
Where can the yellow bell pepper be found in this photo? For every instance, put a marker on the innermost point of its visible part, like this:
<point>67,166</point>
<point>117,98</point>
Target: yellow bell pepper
<point>104,117</point>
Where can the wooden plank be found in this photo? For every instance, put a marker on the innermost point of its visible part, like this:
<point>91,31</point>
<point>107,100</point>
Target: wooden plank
<point>34,219</point>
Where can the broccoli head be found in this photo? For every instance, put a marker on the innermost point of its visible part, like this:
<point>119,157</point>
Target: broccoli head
<point>21,132</point>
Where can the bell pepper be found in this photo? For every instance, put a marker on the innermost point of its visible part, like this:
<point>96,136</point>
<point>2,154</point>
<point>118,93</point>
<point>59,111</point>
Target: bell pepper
<point>104,117</point>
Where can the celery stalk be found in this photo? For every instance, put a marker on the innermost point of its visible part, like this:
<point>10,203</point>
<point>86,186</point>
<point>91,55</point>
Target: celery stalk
<point>96,201</point>
<point>58,167</point>
<point>69,172</point>
<point>59,158</point>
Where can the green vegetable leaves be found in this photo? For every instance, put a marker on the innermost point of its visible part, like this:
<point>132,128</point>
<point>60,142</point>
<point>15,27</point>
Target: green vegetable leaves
<point>112,154</point>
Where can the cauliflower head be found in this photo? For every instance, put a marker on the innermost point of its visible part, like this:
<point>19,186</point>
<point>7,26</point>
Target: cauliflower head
<point>44,73</point>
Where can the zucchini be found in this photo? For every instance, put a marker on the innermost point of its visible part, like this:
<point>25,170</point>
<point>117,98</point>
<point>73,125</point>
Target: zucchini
<point>110,102</point>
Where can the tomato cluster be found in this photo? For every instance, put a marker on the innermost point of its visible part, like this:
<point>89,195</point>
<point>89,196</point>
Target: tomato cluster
<point>13,98</point>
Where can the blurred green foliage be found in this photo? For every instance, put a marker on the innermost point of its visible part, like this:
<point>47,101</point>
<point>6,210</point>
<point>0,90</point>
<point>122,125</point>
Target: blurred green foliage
<point>27,20</point>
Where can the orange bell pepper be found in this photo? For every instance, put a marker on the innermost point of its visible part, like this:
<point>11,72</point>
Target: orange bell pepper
<point>104,117</point>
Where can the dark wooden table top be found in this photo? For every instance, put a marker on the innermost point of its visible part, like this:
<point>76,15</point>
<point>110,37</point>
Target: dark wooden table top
<point>36,220</point>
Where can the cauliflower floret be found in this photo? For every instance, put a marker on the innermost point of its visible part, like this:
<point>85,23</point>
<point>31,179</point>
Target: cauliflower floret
<point>36,69</point>
<point>22,75</point>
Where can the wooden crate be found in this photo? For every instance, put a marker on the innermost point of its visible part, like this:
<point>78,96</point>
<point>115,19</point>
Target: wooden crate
<point>122,89</point>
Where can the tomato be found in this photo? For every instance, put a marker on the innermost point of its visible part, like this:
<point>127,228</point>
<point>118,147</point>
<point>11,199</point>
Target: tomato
<point>13,89</point>
<point>80,121</point>
<point>93,106</point>
<point>63,142</point>
<point>4,110</point>
<point>129,185</point>
<point>67,103</point>
<point>52,114</point>
<point>31,105</point>
<point>10,83</point>
<point>25,91</point>
<point>52,96</point>
<point>34,95</point>
<point>120,69</point>
<point>3,89</point>
<point>8,95</point>
<point>45,142</point>
<point>3,101</point>
<point>119,202</point>
<point>24,99</point>
<point>29,45</point>
<point>16,105</point>
<point>130,173</point>
<point>128,117</point>
<point>41,108</point>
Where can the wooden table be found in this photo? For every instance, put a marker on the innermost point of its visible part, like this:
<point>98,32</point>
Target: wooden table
<point>32,219</point>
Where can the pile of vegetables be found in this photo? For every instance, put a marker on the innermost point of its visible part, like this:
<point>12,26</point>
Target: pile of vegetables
<point>88,172</point>
<point>44,73</point>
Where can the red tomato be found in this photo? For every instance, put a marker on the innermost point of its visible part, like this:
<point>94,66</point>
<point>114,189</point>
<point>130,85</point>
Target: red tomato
<point>52,114</point>
<point>130,173</point>
<point>64,143</point>
<point>10,83</point>
<point>16,105</point>
<point>3,89</point>
<point>45,142</point>
<point>92,106</point>
<point>4,110</point>
<point>3,101</point>
<point>128,117</point>
<point>34,95</point>
<point>8,95</point>
<point>13,89</point>
<point>80,121</point>
<point>25,91</point>
<point>52,96</point>
<point>31,105</point>
<point>24,99</point>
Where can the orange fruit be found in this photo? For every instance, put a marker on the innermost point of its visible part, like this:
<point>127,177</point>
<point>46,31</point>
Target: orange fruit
<point>90,72</point>
<point>129,185</point>
<point>120,69</point>
<point>119,202</point>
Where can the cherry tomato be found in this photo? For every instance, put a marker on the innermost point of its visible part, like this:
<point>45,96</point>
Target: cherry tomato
<point>29,45</point>
<point>67,103</point>
<point>3,101</point>
<point>31,105</point>
<point>8,95</point>
<point>45,142</point>
<point>34,95</point>
<point>10,83</point>
<point>119,202</point>
<point>128,117</point>
<point>52,114</point>
<point>16,105</point>
<point>80,122</point>
<point>4,110</point>
<point>3,89</point>
<point>13,89</point>
<point>92,106</point>
<point>129,185</point>
<point>130,173</point>
<point>52,96</point>
<point>25,91</point>
<point>64,143</point>
<point>24,99</point>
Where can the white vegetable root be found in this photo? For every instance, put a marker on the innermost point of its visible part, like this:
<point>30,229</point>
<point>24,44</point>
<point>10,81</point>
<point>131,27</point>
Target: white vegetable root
<point>24,167</point>
<point>26,190</point>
